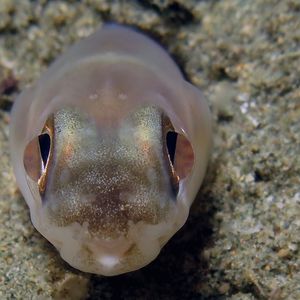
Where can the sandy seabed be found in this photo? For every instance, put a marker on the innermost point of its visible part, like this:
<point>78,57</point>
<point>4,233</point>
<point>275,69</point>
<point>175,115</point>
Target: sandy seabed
<point>242,238</point>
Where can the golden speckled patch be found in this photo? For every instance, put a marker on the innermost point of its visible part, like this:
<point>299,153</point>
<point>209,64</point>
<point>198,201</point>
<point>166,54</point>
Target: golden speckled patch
<point>108,176</point>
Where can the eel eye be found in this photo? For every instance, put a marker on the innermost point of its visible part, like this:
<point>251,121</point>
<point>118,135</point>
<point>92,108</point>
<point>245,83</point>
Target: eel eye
<point>44,145</point>
<point>171,145</point>
<point>180,154</point>
<point>37,155</point>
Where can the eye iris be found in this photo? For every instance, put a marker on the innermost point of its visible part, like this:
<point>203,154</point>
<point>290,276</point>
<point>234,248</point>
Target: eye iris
<point>180,153</point>
<point>44,144</point>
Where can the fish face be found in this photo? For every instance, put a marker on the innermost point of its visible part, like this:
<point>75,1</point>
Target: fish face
<point>106,180</point>
<point>107,177</point>
<point>109,151</point>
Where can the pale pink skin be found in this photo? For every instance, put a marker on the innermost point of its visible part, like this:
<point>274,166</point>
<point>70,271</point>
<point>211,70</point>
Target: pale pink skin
<point>93,75</point>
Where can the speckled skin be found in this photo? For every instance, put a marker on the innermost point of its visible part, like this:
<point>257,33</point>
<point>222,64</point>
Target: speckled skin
<point>109,177</point>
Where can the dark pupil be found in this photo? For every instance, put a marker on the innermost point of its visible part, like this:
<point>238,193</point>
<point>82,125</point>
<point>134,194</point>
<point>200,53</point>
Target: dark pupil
<point>44,141</point>
<point>171,144</point>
